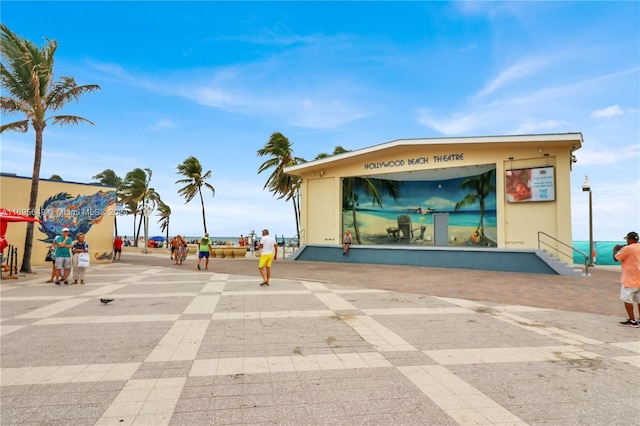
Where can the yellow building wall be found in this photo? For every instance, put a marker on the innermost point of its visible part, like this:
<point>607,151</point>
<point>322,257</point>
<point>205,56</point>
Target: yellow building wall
<point>87,208</point>
<point>517,223</point>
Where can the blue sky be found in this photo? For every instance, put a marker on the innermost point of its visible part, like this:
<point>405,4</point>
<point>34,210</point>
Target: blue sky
<point>215,79</point>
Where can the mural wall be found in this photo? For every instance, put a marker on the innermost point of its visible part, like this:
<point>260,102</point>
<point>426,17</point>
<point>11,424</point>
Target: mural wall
<point>408,219</point>
<point>83,208</point>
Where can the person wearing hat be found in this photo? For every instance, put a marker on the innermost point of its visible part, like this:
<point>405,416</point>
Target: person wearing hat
<point>63,244</point>
<point>268,252</point>
<point>629,255</point>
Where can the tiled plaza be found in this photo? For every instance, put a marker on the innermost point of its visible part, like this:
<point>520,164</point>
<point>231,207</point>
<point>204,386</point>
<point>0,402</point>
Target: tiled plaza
<point>188,347</point>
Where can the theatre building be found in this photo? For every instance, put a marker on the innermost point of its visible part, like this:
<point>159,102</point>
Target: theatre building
<point>473,202</point>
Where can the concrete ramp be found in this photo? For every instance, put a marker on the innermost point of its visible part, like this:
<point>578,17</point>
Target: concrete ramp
<point>505,260</point>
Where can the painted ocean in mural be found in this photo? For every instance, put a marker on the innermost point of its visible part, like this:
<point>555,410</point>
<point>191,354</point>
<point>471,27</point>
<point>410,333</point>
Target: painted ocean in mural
<point>469,201</point>
<point>466,219</point>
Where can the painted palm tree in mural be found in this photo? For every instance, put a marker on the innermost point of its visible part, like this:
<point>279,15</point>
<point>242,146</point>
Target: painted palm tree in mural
<point>481,186</point>
<point>193,182</point>
<point>372,189</point>
<point>280,151</point>
<point>109,178</point>
<point>28,87</point>
<point>164,211</point>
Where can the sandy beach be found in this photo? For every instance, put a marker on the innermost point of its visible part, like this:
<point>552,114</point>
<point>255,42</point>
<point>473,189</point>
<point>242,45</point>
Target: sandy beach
<point>378,230</point>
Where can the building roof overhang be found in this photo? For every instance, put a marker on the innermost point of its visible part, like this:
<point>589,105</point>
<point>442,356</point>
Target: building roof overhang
<point>571,140</point>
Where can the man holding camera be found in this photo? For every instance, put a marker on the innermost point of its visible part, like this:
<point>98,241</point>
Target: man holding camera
<point>629,255</point>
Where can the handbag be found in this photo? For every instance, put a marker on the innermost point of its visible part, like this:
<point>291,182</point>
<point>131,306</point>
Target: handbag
<point>50,255</point>
<point>83,260</point>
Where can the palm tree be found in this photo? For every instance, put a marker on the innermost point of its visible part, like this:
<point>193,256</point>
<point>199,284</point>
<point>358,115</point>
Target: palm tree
<point>194,181</point>
<point>137,195</point>
<point>164,211</point>
<point>109,178</point>
<point>481,186</point>
<point>27,78</point>
<point>286,186</point>
<point>56,178</point>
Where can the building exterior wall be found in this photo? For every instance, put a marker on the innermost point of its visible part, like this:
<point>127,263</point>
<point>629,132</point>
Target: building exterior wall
<point>86,208</point>
<point>518,224</point>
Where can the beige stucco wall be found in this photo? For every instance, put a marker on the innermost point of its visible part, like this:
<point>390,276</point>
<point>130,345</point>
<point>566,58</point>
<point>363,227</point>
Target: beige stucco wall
<point>517,223</point>
<point>14,196</point>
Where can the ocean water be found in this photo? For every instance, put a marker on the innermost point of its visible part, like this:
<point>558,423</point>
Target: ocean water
<point>459,218</point>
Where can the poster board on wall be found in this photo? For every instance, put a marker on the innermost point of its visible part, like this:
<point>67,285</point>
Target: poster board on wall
<point>530,185</point>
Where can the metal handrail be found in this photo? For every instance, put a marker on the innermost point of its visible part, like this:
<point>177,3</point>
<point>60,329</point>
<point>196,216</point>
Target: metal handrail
<point>586,256</point>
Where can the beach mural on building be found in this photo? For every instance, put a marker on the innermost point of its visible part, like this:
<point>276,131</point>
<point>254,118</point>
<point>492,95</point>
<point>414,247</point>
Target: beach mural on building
<point>79,213</point>
<point>407,217</point>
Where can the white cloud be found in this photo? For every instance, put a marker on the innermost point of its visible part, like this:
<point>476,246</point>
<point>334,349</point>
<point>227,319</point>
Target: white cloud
<point>162,125</point>
<point>452,126</point>
<point>608,112</point>
<point>596,157</point>
<point>512,74</point>
<point>529,127</point>
<point>325,115</point>
<point>469,47</point>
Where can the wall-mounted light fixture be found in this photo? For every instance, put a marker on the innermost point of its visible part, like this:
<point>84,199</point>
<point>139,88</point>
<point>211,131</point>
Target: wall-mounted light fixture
<point>321,173</point>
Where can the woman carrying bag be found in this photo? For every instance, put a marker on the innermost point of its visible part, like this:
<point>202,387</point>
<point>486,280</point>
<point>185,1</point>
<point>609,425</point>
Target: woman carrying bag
<point>80,249</point>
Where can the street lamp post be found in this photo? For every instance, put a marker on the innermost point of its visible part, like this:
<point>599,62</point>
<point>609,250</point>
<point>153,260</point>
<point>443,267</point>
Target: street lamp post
<point>586,187</point>
<point>147,213</point>
<point>253,237</point>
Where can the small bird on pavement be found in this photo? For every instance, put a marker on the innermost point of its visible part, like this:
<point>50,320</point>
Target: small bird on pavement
<point>105,301</point>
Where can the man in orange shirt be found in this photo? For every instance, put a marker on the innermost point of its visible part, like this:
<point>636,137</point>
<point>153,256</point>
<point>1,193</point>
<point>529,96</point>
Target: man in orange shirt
<point>629,255</point>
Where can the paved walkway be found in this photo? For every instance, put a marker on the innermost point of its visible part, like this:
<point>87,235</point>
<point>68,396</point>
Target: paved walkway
<point>325,344</point>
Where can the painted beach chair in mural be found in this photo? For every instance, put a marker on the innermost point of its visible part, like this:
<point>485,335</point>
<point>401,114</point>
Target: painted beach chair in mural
<point>405,226</point>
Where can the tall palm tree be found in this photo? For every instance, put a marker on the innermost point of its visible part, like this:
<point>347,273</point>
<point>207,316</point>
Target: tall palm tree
<point>481,187</point>
<point>164,211</point>
<point>280,151</point>
<point>110,178</point>
<point>27,79</point>
<point>193,182</point>
<point>131,208</point>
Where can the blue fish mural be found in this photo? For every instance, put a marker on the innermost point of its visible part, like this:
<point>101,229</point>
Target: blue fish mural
<point>78,214</point>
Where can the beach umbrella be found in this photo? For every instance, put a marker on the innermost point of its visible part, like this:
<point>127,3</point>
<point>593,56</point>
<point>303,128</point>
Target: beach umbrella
<point>7,216</point>
<point>158,238</point>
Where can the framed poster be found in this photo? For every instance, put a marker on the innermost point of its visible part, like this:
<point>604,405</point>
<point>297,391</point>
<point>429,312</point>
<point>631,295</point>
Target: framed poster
<point>527,185</point>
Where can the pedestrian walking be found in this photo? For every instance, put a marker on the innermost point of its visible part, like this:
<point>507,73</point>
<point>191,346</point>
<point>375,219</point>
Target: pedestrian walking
<point>80,246</point>
<point>629,255</point>
<point>117,247</point>
<point>204,250</point>
<point>268,253</point>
